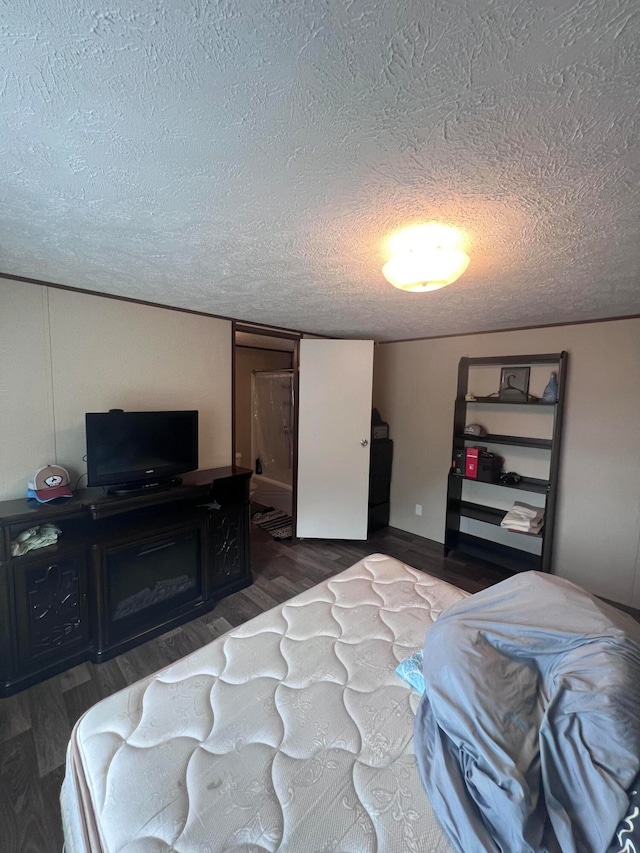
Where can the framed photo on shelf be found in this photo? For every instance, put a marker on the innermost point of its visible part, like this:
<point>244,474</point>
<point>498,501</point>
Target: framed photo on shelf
<point>514,383</point>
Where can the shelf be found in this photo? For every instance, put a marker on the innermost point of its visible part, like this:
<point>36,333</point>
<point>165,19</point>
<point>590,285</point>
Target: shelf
<point>538,418</point>
<point>71,537</point>
<point>526,484</point>
<point>490,515</point>
<point>479,512</point>
<point>536,358</point>
<point>56,551</point>
<point>514,440</point>
<point>512,559</point>
<point>496,401</point>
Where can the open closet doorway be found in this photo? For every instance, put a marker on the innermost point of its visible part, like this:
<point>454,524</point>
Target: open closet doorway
<point>312,452</point>
<point>265,411</point>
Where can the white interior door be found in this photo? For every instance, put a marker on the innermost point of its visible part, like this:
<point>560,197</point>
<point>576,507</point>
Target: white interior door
<point>334,430</point>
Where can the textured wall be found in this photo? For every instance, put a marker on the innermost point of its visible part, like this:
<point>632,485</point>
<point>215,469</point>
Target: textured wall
<point>26,402</point>
<point>597,534</point>
<point>63,354</point>
<point>247,157</point>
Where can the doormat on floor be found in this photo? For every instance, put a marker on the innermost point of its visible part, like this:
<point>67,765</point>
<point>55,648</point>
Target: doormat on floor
<point>275,522</point>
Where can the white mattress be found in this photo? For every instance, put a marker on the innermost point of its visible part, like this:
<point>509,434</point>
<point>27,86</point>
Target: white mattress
<point>291,732</point>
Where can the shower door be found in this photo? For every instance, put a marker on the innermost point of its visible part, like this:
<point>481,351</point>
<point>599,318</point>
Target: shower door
<point>272,439</point>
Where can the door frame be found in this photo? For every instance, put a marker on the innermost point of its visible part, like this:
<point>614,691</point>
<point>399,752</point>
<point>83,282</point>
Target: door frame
<point>269,332</point>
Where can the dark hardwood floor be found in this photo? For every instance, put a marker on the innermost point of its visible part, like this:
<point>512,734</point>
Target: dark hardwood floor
<point>35,725</point>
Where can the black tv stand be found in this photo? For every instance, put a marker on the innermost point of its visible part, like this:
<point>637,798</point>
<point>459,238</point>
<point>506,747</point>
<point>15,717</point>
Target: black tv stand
<point>125,568</point>
<point>144,488</point>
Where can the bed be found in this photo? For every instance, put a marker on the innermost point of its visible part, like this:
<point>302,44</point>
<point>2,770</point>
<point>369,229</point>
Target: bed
<point>292,732</point>
<point>528,733</point>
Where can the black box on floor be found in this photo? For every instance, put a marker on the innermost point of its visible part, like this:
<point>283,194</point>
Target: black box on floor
<point>378,516</point>
<point>380,470</point>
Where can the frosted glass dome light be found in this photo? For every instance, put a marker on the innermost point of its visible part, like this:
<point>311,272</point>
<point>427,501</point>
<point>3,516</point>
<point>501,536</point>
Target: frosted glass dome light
<point>425,257</point>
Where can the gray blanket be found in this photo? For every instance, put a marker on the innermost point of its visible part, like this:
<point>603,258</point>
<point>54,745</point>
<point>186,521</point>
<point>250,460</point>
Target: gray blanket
<point>528,733</point>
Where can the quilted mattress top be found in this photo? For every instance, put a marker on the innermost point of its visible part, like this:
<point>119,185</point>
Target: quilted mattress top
<point>291,732</point>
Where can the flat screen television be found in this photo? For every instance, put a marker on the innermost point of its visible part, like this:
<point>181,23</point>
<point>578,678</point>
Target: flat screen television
<point>131,451</point>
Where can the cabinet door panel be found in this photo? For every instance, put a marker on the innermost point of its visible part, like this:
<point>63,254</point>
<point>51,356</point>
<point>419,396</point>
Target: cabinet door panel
<point>52,613</point>
<point>7,656</point>
<point>229,544</point>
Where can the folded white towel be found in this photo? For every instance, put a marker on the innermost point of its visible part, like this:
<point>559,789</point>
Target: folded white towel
<point>524,518</point>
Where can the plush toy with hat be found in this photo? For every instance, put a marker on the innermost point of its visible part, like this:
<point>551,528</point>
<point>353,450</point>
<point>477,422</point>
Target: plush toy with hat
<point>49,483</point>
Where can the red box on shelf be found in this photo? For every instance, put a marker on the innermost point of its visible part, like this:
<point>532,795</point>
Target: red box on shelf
<point>471,465</point>
<point>471,461</point>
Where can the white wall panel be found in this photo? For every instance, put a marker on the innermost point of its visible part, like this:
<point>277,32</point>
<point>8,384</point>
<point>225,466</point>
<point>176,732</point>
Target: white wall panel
<point>26,417</point>
<point>64,353</point>
<point>598,514</point>
<point>109,354</point>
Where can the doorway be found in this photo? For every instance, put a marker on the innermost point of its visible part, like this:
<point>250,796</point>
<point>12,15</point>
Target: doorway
<point>265,414</point>
<point>272,437</point>
<point>330,429</point>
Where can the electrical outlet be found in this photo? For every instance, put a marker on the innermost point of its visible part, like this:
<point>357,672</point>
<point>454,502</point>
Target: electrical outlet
<point>418,509</point>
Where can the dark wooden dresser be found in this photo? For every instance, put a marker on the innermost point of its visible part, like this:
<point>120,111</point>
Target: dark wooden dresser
<point>124,569</point>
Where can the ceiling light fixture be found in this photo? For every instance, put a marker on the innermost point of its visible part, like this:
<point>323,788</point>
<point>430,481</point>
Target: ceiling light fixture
<point>425,257</point>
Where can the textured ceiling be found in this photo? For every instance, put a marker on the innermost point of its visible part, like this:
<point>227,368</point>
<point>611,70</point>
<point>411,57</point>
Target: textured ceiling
<point>248,157</point>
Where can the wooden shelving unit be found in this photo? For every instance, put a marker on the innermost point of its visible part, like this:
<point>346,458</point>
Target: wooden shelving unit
<point>513,556</point>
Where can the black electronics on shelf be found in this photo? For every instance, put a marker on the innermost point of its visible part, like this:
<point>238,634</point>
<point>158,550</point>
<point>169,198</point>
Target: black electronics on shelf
<point>509,553</point>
